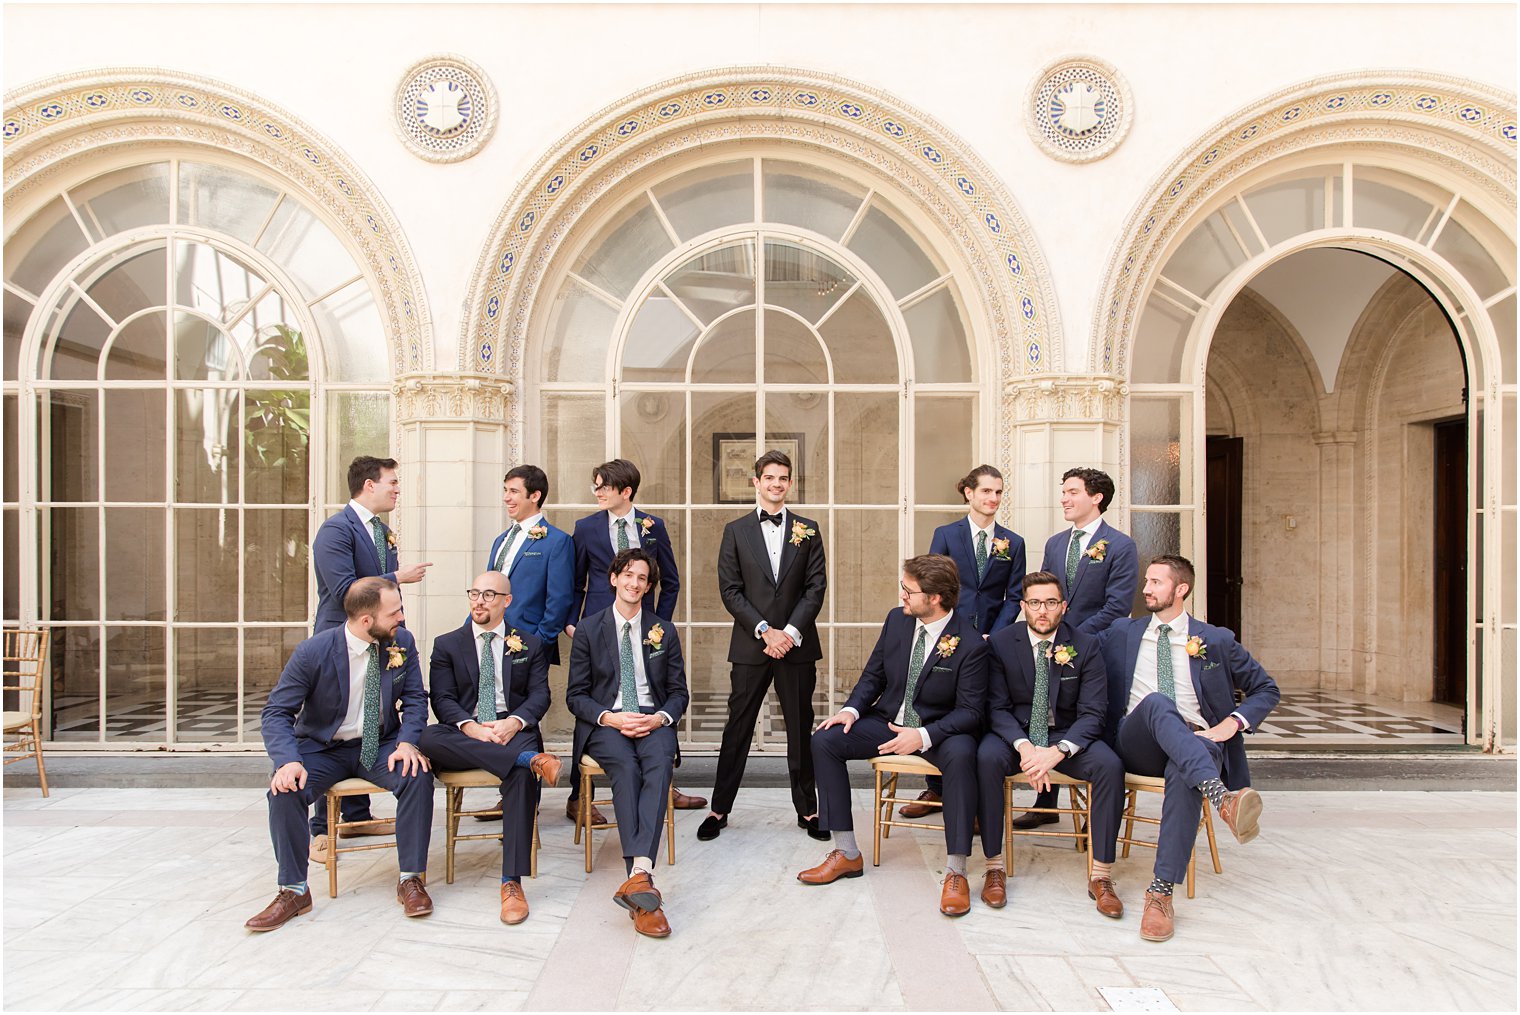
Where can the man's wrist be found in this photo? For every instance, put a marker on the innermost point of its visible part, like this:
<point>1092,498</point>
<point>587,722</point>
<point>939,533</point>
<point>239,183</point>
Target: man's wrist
<point>794,634</point>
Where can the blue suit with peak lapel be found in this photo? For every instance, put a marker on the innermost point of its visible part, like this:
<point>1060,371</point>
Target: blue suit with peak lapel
<point>950,700</point>
<point>1105,589</point>
<point>992,602</point>
<point>543,584</point>
<point>1078,696</point>
<point>301,719</point>
<point>1154,740</point>
<point>639,768</point>
<point>344,551</point>
<point>454,679</point>
<point>594,551</point>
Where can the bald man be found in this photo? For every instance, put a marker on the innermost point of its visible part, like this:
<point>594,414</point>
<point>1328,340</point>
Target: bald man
<point>490,690</point>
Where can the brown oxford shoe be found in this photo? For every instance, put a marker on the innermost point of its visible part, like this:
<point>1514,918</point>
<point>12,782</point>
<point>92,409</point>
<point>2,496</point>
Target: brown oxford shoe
<point>1025,822</point>
<point>286,906</point>
<point>1241,811</point>
<point>1156,923</point>
<point>546,767</point>
<point>995,888</point>
<point>514,905</point>
<point>650,922</point>
<point>377,826</point>
<point>685,802</point>
<point>955,896</point>
<point>638,892</point>
<point>918,810</point>
<point>572,811</point>
<point>318,854</point>
<point>1101,890</point>
<point>835,866</point>
<point>413,897</point>
<point>491,817</point>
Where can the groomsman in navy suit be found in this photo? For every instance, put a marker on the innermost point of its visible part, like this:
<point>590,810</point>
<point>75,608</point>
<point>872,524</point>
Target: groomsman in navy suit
<point>1047,698</point>
<point>334,715</point>
<point>490,689</point>
<point>355,543</point>
<point>627,692</point>
<point>990,559</point>
<point>1172,712</point>
<point>923,692</point>
<point>1099,569</point>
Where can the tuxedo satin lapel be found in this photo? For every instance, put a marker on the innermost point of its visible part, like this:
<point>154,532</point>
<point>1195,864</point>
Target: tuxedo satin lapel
<point>789,550</point>
<point>752,534</point>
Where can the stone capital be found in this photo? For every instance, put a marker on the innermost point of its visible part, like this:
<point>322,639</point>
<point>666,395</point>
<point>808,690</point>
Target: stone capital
<point>478,397</point>
<point>1076,398</point>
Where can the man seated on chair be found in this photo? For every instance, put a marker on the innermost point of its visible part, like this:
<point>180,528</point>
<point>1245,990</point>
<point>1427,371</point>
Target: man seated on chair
<point>1046,701</point>
<point>1172,713</point>
<point>490,690</point>
<point>922,692</point>
<point>333,715</point>
<point>627,691</point>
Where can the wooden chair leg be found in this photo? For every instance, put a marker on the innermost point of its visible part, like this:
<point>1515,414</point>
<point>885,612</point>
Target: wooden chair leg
<point>37,752</point>
<point>533,856</point>
<point>452,800</point>
<point>1007,828</point>
<point>583,819</point>
<point>1076,825</point>
<point>889,804</point>
<point>1129,823</point>
<point>877,811</point>
<point>1192,866</point>
<point>670,822</point>
<point>332,846</point>
<point>1208,826</point>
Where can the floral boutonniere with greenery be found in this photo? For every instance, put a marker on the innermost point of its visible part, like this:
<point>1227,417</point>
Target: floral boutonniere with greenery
<point>395,657</point>
<point>947,645</point>
<point>646,526</point>
<point>801,532</point>
<point>656,636</point>
<point>514,642</point>
<point>1000,549</point>
<point>1196,648</point>
<point>538,532</point>
<point>1098,551</point>
<point>390,538</point>
<point>1062,654</point>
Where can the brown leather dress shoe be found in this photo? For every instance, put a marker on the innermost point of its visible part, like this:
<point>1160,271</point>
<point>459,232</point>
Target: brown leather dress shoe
<point>995,888</point>
<point>650,922</point>
<point>377,826</point>
<point>572,811</point>
<point>318,854</point>
<point>514,905</point>
<point>1241,811</point>
<point>1028,821</point>
<point>1156,922</point>
<point>1101,890</point>
<point>685,802</point>
<point>638,892</point>
<point>835,866</point>
<point>286,905</point>
<point>413,897</point>
<point>955,896</point>
<point>918,810</point>
<point>546,767</point>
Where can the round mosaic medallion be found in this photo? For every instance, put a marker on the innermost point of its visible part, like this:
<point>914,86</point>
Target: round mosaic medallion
<point>445,109</point>
<point>1079,109</point>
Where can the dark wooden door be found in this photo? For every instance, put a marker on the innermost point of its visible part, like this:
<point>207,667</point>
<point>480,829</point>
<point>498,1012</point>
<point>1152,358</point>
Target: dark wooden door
<point>1449,528</point>
<point>1222,505</point>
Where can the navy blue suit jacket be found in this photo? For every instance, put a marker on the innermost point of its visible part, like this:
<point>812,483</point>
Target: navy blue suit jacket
<point>543,585</point>
<point>1078,689</point>
<point>343,552</point>
<point>992,603</point>
<point>1104,590</point>
<point>952,690</point>
<point>595,670</point>
<point>309,701</point>
<point>593,556</point>
<point>1221,669</point>
<point>454,676</point>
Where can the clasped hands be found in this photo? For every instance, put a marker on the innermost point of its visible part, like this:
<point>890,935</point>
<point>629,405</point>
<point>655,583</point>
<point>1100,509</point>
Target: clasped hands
<point>498,731</point>
<point>291,776</point>
<point>907,741</point>
<point>777,643</point>
<point>1037,763</point>
<point>633,724</point>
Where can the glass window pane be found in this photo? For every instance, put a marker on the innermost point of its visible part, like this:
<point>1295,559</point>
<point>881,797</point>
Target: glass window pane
<point>311,254</point>
<point>278,353</point>
<point>653,425</point>
<point>579,330</point>
<point>940,350</point>
<point>9,466</point>
<point>803,281</point>
<point>137,351</point>
<point>17,312</point>
<point>863,550</point>
<point>134,564</point>
<point>711,284</point>
<point>1286,209</point>
<point>206,446</point>
<point>76,683</point>
<point>707,674</point>
<point>802,417</point>
<point>700,587</point>
<point>1205,257</point>
<point>277,438</point>
<point>223,199</point>
<point>47,241</point>
<point>945,429</point>
<point>1158,350</point>
<point>723,448</point>
<point>865,448</point>
<point>1468,255</point>
<point>125,199</point>
<point>1379,206</point>
<point>726,354</point>
<point>136,283</point>
<point>925,521</point>
<point>659,342</point>
<point>76,346</point>
<point>358,423</point>
<point>205,678</point>
<point>207,546</point>
<point>810,197</point>
<point>860,343</point>
<point>136,707</point>
<point>792,354</point>
<point>73,453</point>
<point>213,282</point>
<point>73,563</point>
<point>896,256</point>
<point>10,538</point>
<point>1155,450</point>
<point>277,560</point>
<point>265,652</point>
<point>1154,534</point>
<point>624,249</point>
<point>353,336</point>
<point>135,444</point>
<point>709,198</point>
<point>574,429</point>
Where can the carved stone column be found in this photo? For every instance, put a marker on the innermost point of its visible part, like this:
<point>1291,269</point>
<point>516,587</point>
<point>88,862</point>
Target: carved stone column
<point>1058,422</point>
<point>1341,583</point>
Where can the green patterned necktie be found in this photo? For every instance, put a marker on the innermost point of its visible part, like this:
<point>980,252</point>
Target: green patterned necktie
<point>1165,682</point>
<point>981,554</point>
<point>915,666</point>
<point>630,687</point>
<point>1039,709</point>
<point>369,722</point>
<point>1073,555</point>
<point>485,702</point>
<point>622,534</point>
<point>378,531</point>
<point>506,548</point>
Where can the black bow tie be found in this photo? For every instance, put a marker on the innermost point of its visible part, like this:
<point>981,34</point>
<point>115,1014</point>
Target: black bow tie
<point>774,519</point>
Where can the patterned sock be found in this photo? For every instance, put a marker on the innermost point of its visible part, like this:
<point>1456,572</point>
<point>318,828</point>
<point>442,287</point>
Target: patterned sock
<point>995,863</point>
<point>525,759</point>
<point>1161,887</point>
<point>1213,789</point>
<point>1102,870</point>
<point>955,863</point>
<point>512,880</point>
<point>299,888</point>
<point>409,874</point>
<point>845,843</point>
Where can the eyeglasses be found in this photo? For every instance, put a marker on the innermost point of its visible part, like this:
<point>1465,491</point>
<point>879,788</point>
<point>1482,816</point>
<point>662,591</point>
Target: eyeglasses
<point>911,592</point>
<point>1042,604</point>
<point>599,487</point>
<point>487,596</point>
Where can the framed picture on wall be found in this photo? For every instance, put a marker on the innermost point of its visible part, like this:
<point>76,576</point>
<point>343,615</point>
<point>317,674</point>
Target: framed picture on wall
<point>734,465</point>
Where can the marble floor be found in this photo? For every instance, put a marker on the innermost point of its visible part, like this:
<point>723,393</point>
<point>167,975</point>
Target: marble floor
<point>134,899</point>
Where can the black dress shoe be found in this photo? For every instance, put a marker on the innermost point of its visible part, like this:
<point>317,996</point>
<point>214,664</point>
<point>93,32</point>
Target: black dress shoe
<point>1028,821</point>
<point>810,825</point>
<point>711,826</point>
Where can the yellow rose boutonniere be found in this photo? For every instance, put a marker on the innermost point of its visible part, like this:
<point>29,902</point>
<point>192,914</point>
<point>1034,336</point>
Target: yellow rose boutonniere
<point>1064,654</point>
<point>1098,551</point>
<point>514,642</point>
<point>1000,549</point>
<point>947,645</point>
<point>646,524</point>
<point>395,657</point>
<point>538,532</point>
<point>801,532</point>
<point>1196,648</point>
<point>656,635</point>
<point>390,538</point>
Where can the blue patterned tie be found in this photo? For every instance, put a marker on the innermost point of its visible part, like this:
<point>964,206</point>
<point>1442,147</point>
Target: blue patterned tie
<point>981,554</point>
<point>1039,709</point>
<point>378,532</point>
<point>629,685</point>
<point>1073,556</point>
<point>915,666</point>
<point>1165,682</point>
<point>369,724</point>
<point>506,548</point>
<point>485,702</point>
<point>622,534</point>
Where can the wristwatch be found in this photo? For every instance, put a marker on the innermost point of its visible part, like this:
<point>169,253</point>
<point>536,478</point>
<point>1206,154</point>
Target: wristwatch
<point>764,626</point>
<point>1064,749</point>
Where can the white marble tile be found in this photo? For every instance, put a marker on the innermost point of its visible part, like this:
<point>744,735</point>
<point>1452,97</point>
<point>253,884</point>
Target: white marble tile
<point>474,1000</point>
<point>118,999</point>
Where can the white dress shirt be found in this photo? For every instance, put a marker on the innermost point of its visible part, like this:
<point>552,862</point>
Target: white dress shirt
<point>1182,670</point>
<point>774,536</point>
<point>358,662</point>
<point>632,526</point>
<point>991,531</point>
<point>518,543</point>
<point>365,514</point>
<point>1052,687</point>
<point>935,629</point>
<point>1088,532</point>
<point>498,655</point>
<point>640,678</point>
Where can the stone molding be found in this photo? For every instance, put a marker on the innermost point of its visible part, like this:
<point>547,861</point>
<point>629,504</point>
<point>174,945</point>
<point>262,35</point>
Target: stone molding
<point>457,397</point>
<point>54,125</point>
<point>1066,398</point>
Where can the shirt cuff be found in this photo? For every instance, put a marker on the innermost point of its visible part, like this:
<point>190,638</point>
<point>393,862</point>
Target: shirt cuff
<point>795,635</point>
<point>757,629</point>
<point>1071,748</point>
<point>669,721</point>
<point>525,723</point>
<point>460,725</point>
<point>1245,726</point>
<point>923,733</point>
<point>600,719</point>
<point>1021,740</point>
<point>853,711</point>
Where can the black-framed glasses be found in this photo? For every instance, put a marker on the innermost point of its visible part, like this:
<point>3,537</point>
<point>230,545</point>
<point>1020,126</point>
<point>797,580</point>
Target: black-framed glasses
<point>1042,604</point>
<point>911,592</point>
<point>487,596</point>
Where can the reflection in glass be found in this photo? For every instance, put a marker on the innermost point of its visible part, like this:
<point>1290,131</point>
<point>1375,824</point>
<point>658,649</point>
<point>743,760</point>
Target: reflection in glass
<point>45,243</point>
<point>76,347</point>
<point>213,282</point>
<point>205,696</point>
<point>580,328</point>
<point>276,555</point>
<point>810,197</point>
<point>206,450</point>
<point>72,418</point>
<point>1468,255</point>
<point>659,342</point>
<point>863,549</point>
<point>619,255</point>
<point>654,436</point>
<point>135,667</point>
<point>708,198</point>
<point>353,335</point>
<point>574,430</point>
<point>896,256</point>
<point>223,199</point>
<point>1206,256</point>
<point>1286,209</point>
<point>10,546</point>
<point>1158,349</point>
<point>723,424</point>
<point>277,443</point>
<point>711,284</point>
<point>860,343</point>
<point>137,350</point>
<point>311,254</point>
<point>72,563</point>
<point>203,352</point>
<point>708,676</point>
<point>75,713</point>
<point>134,564</point>
<point>135,432</point>
<point>943,432</point>
<point>802,281</point>
<point>726,354</point>
<point>207,546</point>
<point>792,353</point>
<point>265,651</point>
<point>126,198</point>
<point>17,312</point>
<point>138,282</point>
<point>803,415</point>
<point>358,423</point>
<point>865,447</point>
<point>940,350</point>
